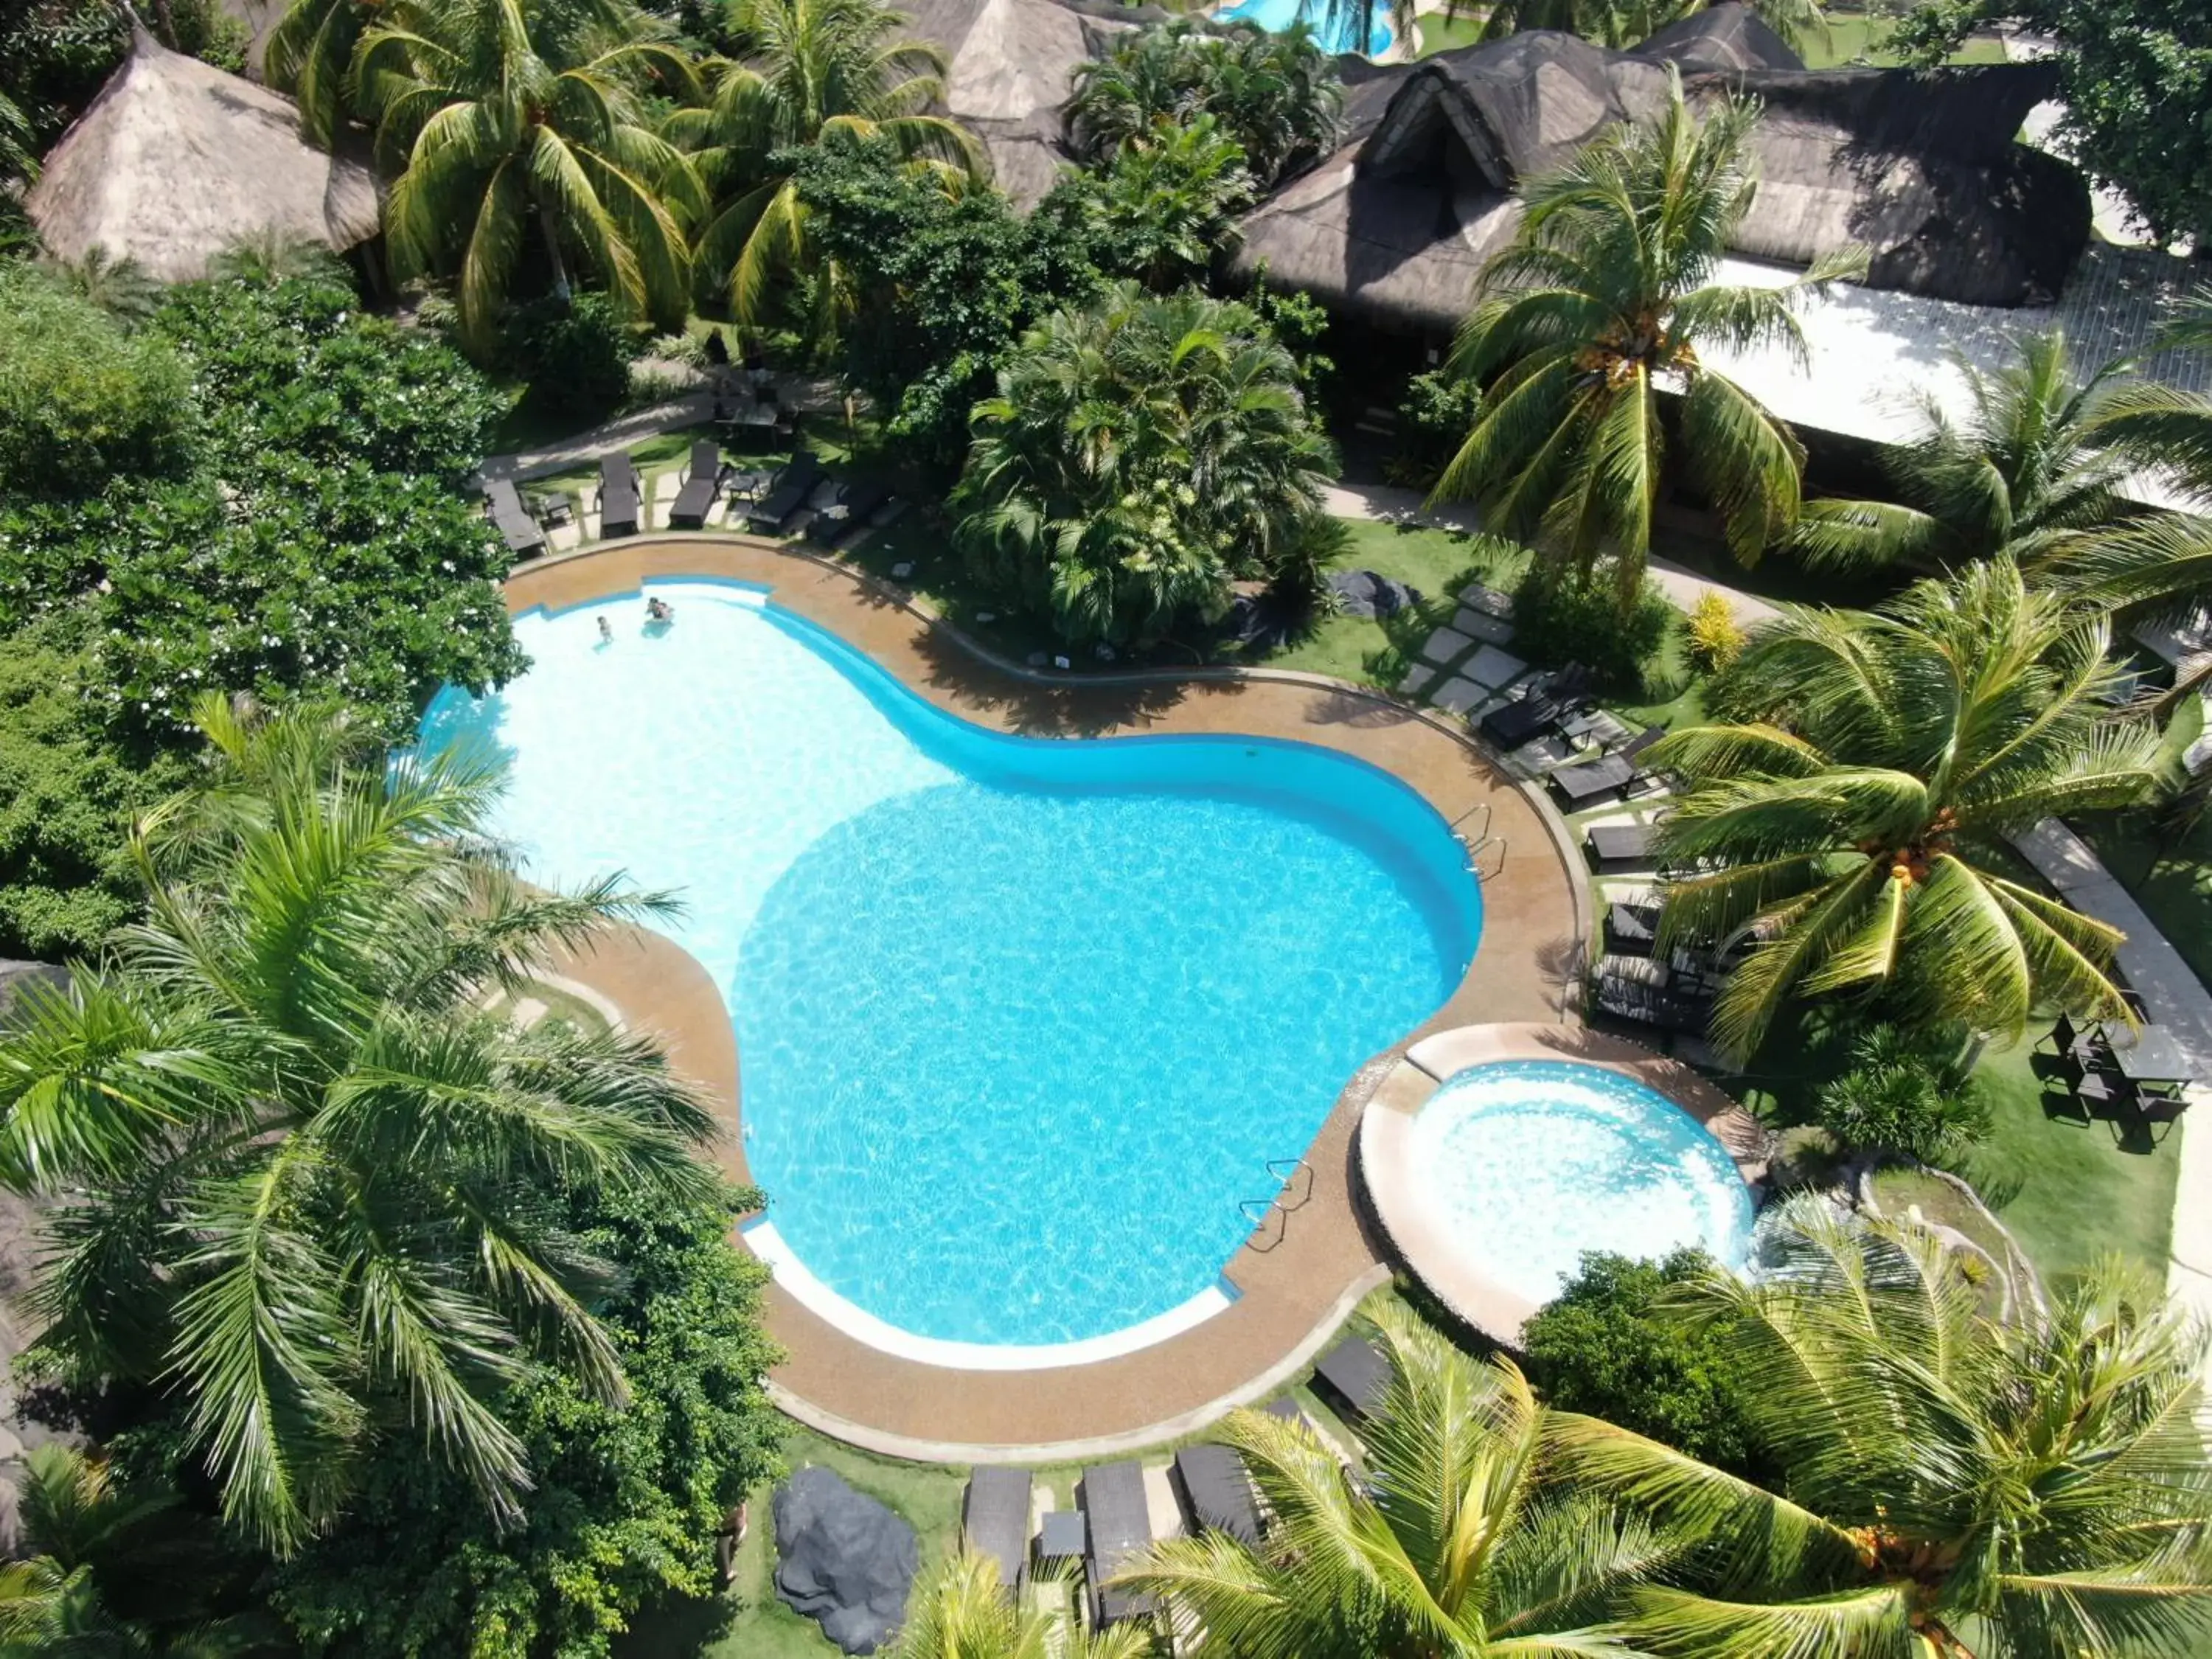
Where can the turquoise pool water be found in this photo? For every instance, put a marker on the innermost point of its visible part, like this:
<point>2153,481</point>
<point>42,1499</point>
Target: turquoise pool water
<point>1338,33</point>
<point>1019,1021</point>
<point>1536,1161</point>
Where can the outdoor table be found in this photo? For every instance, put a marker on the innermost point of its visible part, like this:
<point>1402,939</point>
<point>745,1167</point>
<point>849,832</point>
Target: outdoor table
<point>1063,1537</point>
<point>2153,1056</point>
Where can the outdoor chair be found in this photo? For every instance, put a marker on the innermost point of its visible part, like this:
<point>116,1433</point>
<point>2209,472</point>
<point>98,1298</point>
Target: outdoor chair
<point>517,528</point>
<point>1120,1526</point>
<point>2090,1048</point>
<point>849,509</point>
<point>2110,1089</point>
<point>1514,724</point>
<point>1216,1492</point>
<point>792,486</point>
<point>1355,1373</point>
<point>995,1520</point>
<point>1590,783</point>
<point>1631,929</point>
<point>1615,847</point>
<point>703,481</point>
<point>618,496</point>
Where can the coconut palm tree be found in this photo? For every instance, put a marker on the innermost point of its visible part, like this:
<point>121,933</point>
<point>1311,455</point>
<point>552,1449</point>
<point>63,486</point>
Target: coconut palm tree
<point>1277,95</point>
<point>503,121</point>
<point>818,66</point>
<point>2031,472</point>
<point>1603,299</point>
<point>19,159</point>
<point>1458,1544</point>
<point>1954,1484</point>
<point>1853,827</point>
<point>1621,23</point>
<point>313,1185</point>
<point>120,288</point>
<point>960,1611</point>
<point>1140,454</point>
<point>1169,207</point>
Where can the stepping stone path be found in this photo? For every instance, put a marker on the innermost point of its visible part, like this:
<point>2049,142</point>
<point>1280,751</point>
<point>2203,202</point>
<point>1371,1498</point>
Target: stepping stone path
<point>1492,668</point>
<point>1445,645</point>
<point>1464,668</point>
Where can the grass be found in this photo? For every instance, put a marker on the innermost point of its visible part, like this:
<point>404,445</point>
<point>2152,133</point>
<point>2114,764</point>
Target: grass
<point>1437,563</point>
<point>1853,39</point>
<point>2069,1190</point>
<point>1441,33</point>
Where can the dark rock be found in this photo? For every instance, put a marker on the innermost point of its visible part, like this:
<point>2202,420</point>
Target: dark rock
<point>1371,593</point>
<point>843,1559</point>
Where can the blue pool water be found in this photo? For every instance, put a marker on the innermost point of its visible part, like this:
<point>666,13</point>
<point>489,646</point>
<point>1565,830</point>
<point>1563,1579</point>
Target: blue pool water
<point>1019,1021</point>
<point>1536,1161</point>
<point>1339,33</point>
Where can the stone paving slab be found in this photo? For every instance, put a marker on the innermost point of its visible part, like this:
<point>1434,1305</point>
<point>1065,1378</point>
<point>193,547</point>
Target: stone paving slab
<point>1488,600</point>
<point>1416,676</point>
<point>1444,644</point>
<point>1456,696</point>
<point>1493,668</point>
<point>1490,630</point>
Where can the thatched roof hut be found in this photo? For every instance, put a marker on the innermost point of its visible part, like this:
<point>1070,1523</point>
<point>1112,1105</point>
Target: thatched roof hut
<point>1922,168</point>
<point>175,160</point>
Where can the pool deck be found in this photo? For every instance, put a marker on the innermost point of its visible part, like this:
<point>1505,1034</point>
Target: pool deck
<point>1389,1165</point>
<point>1311,1261</point>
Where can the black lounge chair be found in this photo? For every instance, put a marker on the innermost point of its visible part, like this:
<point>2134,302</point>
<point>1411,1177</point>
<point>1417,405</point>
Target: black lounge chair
<point>1120,1527</point>
<point>847,511</point>
<point>1216,1492</point>
<point>1355,1374</point>
<point>1613,846</point>
<point>1514,724</point>
<point>995,1520</point>
<point>703,482</point>
<point>1631,929</point>
<point>792,486</point>
<point>1637,988</point>
<point>618,496</point>
<point>516,525</point>
<point>1606,778</point>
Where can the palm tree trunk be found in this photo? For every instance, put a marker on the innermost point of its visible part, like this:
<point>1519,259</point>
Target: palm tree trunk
<point>552,235</point>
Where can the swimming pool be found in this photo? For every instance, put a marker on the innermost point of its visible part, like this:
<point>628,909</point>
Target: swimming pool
<point>1530,1162</point>
<point>1338,33</point>
<point>1019,1021</point>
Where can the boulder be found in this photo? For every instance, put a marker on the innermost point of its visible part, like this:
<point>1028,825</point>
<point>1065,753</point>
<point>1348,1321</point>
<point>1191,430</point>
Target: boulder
<point>1371,593</point>
<point>843,1559</point>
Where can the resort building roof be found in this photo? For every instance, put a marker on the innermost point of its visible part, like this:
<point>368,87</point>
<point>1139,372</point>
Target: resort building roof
<point>175,160</point>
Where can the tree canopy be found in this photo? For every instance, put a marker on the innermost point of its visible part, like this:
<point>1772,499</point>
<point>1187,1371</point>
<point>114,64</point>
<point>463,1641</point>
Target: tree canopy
<point>82,400</point>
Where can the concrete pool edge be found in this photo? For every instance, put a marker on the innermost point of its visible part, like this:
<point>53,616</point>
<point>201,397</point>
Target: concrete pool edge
<point>1297,1270</point>
<point>1389,1170</point>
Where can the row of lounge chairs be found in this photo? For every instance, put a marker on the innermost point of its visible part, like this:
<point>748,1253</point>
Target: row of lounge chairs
<point>771,496</point>
<point>1112,1522</point>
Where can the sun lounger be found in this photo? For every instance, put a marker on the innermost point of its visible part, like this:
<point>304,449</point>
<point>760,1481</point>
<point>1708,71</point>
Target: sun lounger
<point>848,510</point>
<point>1113,1497</point>
<point>1519,723</point>
<point>1355,1373</point>
<point>618,496</point>
<point>517,527</point>
<point>1613,846</point>
<point>1631,929</point>
<point>1216,1492</point>
<point>703,482</point>
<point>1602,780</point>
<point>995,1520</point>
<point>792,486</point>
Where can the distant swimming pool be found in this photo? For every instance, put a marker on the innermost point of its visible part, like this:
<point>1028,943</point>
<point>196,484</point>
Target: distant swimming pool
<point>1019,1021</point>
<point>1339,33</point>
<point>1532,1161</point>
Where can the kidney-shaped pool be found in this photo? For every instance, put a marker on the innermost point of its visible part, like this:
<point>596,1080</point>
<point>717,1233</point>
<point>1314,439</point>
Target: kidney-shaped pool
<point>1020,1022</point>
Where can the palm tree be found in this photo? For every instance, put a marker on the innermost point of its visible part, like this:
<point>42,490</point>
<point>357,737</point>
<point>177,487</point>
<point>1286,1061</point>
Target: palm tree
<point>1140,454</point>
<point>120,288</point>
<point>313,1185</point>
<point>1622,23</point>
<point>819,66</point>
<point>1170,206</point>
<point>1459,1543</point>
<point>1955,1485</point>
<point>500,119</point>
<point>1603,302</point>
<point>18,158</point>
<point>2032,472</point>
<point>1854,830</point>
<point>960,1611</point>
<point>1277,95</point>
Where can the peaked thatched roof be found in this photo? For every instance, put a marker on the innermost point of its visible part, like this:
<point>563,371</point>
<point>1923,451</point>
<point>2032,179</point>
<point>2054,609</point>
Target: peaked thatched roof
<point>175,160</point>
<point>1923,169</point>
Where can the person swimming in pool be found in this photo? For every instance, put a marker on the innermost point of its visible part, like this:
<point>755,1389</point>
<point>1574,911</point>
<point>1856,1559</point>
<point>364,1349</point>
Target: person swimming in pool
<point>659,610</point>
<point>607,632</point>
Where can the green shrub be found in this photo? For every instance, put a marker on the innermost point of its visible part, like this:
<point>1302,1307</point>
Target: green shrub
<point>1716,638</point>
<point>1561,619</point>
<point>1437,412</point>
<point>1897,1097</point>
<point>573,356</point>
<point>1607,1346</point>
<point>80,400</point>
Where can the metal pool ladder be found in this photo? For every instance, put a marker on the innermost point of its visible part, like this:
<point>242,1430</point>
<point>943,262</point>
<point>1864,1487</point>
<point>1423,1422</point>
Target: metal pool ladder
<point>1478,841</point>
<point>1257,1210</point>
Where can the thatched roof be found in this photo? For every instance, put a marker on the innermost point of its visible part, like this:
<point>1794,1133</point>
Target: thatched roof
<point>175,160</point>
<point>1923,169</point>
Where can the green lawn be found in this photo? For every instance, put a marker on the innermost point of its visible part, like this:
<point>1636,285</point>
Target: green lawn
<point>1441,33</point>
<point>1850,41</point>
<point>1436,563</point>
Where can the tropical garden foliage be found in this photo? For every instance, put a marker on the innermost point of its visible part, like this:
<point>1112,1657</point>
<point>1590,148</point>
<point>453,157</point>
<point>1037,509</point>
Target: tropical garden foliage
<point>1900,1099</point>
<point>1276,96</point>
<point>1623,23</point>
<point>960,1610</point>
<point>288,1055</point>
<point>81,399</point>
<point>1141,454</point>
<point>1849,828</point>
<point>1603,301</point>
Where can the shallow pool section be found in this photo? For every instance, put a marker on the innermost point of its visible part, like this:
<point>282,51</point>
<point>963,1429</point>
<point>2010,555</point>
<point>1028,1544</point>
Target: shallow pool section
<point>1020,1021</point>
<point>1531,1163</point>
<point>1339,32</point>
